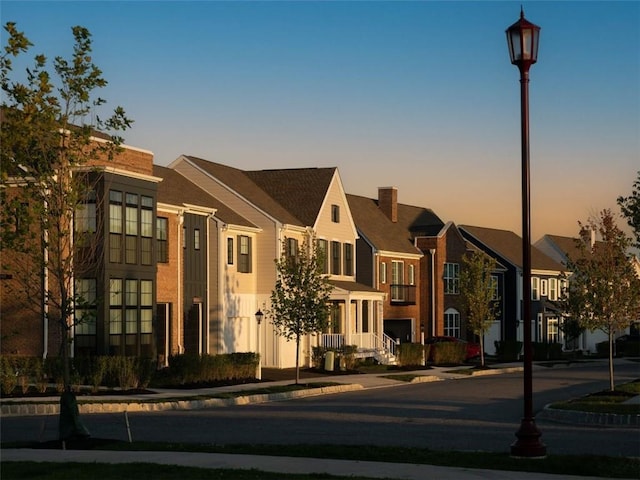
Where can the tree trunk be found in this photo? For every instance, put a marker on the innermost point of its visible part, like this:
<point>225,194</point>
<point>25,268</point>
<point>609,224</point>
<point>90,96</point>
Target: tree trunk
<point>297,359</point>
<point>482,351</point>
<point>611,383</point>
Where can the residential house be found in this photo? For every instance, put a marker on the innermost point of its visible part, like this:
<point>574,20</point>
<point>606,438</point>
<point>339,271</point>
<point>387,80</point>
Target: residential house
<point>287,207</point>
<point>546,273</point>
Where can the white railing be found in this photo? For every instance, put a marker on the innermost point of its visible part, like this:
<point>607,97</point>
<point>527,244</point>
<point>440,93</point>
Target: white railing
<point>332,340</point>
<point>365,341</point>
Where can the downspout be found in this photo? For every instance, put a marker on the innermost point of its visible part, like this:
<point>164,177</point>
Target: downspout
<point>432,251</point>
<point>180,308</point>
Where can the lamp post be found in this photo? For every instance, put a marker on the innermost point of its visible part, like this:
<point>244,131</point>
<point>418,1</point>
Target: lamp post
<point>259,316</point>
<point>522,38</point>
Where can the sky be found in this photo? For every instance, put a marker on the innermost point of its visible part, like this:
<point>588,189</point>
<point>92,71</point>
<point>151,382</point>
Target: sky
<point>419,95</point>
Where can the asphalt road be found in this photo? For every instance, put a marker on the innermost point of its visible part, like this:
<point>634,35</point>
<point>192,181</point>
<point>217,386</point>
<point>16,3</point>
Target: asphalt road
<point>480,413</point>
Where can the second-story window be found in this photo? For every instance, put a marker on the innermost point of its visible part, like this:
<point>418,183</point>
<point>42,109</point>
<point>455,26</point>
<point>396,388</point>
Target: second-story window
<point>495,294</point>
<point>162,251</point>
<point>553,289</point>
<point>535,288</point>
<point>412,274</point>
<point>291,249</point>
<point>131,229</point>
<point>543,288</point>
<point>196,239</point>
<point>146,229</point>
<point>115,226</point>
<point>383,272</point>
<point>323,255</point>
<point>335,258</point>
<point>348,259</point>
<point>452,278</point>
<point>229,251</point>
<point>244,254</point>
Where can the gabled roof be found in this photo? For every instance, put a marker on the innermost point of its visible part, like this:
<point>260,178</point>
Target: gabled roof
<point>177,190</point>
<point>508,245</point>
<point>301,191</point>
<point>567,247</point>
<point>384,234</point>
<point>242,182</point>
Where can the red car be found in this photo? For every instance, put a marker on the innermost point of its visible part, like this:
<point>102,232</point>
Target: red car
<point>473,349</point>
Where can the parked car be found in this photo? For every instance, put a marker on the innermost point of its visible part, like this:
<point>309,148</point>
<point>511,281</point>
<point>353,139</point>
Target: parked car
<point>472,348</point>
<point>628,345</point>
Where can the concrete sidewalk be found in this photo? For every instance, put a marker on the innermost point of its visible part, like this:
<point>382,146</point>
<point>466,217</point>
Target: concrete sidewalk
<point>291,465</point>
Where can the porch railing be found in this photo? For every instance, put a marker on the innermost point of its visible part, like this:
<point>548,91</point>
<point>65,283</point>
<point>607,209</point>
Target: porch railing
<point>365,341</point>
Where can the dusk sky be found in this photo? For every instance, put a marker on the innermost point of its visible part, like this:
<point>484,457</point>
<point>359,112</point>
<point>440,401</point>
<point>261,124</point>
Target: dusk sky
<point>420,95</point>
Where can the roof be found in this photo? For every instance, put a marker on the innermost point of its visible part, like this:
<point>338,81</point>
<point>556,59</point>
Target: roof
<point>568,247</point>
<point>301,191</point>
<point>176,189</point>
<point>393,236</point>
<point>243,183</point>
<point>508,245</point>
<point>353,286</point>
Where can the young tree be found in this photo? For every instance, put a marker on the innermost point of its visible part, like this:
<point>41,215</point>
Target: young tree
<point>479,294</point>
<point>300,300</point>
<point>630,207</point>
<point>49,150</point>
<point>603,290</point>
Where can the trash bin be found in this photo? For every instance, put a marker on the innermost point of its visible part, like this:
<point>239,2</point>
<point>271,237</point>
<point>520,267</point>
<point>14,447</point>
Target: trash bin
<point>329,359</point>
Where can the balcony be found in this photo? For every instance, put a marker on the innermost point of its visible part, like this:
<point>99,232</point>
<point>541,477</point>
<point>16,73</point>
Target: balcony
<point>403,294</point>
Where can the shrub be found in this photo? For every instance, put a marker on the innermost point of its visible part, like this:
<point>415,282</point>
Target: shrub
<point>317,356</point>
<point>448,353</point>
<point>8,377</point>
<point>348,356</point>
<point>189,368</point>
<point>507,350</point>
<point>412,354</point>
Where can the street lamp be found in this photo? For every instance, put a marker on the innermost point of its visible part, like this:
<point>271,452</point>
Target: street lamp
<point>259,316</point>
<point>522,38</point>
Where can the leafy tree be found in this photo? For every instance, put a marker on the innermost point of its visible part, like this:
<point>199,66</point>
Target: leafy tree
<point>603,292</point>
<point>630,207</point>
<point>300,300</point>
<point>48,160</point>
<point>479,294</point>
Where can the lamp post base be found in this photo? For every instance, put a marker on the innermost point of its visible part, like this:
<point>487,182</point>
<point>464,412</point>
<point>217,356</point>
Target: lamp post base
<point>528,444</point>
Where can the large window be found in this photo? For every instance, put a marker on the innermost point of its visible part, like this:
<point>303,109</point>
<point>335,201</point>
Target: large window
<point>162,234</point>
<point>397,280</point>
<point>244,254</point>
<point>131,229</point>
<point>452,278</point>
<point>146,230</point>
<point>348,259</point>
<point>85,216</point>
<point>452,323</point>
<point>85,306</point>
<point>335,258</point>
<point>553,289</point>
<point>115,226</point>
<point>535,288</point>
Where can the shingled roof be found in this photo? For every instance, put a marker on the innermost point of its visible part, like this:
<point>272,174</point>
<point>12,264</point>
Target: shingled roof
<point>241,182</point>
<point>509,246</point>
<point>393,236</point>
<point>177,190</point>
<point>301,191</point>
<point>569,247</point>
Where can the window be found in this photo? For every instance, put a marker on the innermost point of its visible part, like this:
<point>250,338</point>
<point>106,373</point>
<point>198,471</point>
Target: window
<point>291,249</point>
<point>335,213</point>
<point>196,239</point>
<point>412,274</point>
<point>335,258</point>
<point>146,230</point>
<point>244,254</point>
<point>184,237</point>
<point>553,289</point>
<point>553,332</point>
<point>162,251</point>
<point>115,307</point>
<point>397,280</point>
<point>543,288</point>
<point>85,303</point>
<point>451,278</point>
<point>452,323</point>
<point>323,256</point>
<point>229,251</point>
<point>115,226</point>
<point>535,288</point>
<point>495,294</point>
<point>348,259</point>
<point>131,229</point>
<point>131,304</point>
<point>146,306</point>
<point>383,272</point>
<point>85,217</point>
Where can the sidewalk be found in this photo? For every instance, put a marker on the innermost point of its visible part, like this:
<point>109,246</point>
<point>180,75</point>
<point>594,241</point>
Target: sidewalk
<point>383,470</point>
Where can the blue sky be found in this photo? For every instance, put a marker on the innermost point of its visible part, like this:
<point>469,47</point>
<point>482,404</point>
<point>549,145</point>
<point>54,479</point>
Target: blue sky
<point>418,94</point>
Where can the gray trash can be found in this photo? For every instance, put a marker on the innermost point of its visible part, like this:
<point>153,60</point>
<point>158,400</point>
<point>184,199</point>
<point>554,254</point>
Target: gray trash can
<point>329,359</point>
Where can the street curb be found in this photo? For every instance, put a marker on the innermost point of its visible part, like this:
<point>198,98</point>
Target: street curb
<point>588,418</point>
<point>25,409</point>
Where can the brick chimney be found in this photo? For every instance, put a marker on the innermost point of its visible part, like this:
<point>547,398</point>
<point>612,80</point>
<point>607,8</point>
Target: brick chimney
<point>388,202</point>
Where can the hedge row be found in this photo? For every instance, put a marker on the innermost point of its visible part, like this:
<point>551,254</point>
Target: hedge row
<point>194,369</point>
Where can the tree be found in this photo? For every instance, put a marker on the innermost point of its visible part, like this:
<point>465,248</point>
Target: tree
<point>479,294</point>
<point>630,207</point>
<point>300,300</point>
<point>603,292</point>
<point>48,171</point>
